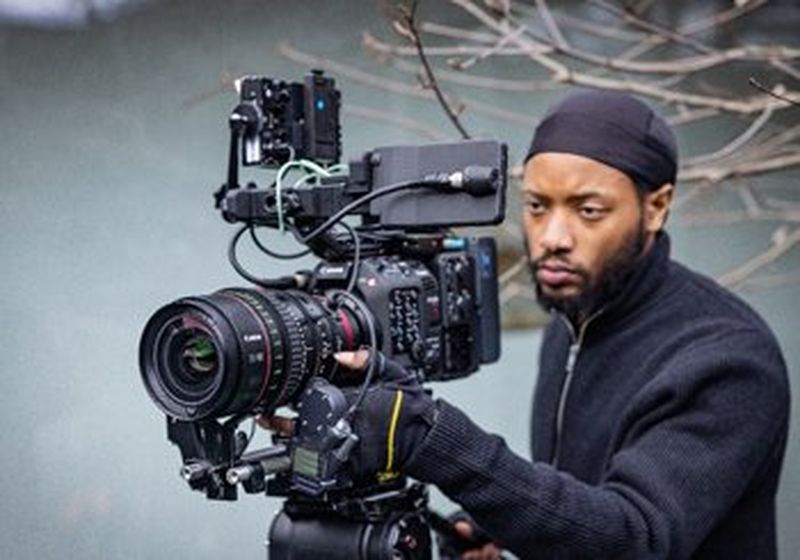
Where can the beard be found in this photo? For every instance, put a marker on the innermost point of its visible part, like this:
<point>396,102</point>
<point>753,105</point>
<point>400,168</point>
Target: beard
<point>596,290</point>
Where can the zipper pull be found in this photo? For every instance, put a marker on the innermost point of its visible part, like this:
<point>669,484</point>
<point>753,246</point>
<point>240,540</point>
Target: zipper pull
<point>572,357</point>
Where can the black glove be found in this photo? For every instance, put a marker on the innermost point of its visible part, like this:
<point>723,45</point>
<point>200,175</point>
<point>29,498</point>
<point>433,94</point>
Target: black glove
<point>453,545</point>
<point>393,418</point>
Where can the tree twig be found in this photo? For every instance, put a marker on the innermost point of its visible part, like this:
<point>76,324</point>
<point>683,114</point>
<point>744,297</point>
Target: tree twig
<point>715,174</point>
<point>685,65</point>
<point>563,74</point>
<point>771,281</point>
<point>662,35</point>
<point>394,119</point>
<point>366,78</point>
<point>431,82</point>
<point>776,250</point>
<point>659,31</point>
<point>590,28</point>
<point>373,44</point>
<point>774,92</point>
<point>716,20</point>
<point>735,144</point>
<point>684,116</point>
<point>751,206</point>
<point>551,25</point>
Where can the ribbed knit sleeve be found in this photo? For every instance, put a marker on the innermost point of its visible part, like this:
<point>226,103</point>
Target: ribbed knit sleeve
<point>693,441</point>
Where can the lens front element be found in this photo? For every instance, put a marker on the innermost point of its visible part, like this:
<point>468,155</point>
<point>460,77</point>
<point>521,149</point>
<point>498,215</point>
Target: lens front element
<point>239,350</point>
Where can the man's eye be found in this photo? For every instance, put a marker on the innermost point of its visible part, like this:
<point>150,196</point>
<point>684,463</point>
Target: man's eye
<point>535,207</point>
<point>592,212</point>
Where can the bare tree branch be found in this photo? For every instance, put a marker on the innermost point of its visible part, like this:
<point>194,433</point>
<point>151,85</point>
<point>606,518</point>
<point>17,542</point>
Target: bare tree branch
<point>366,78</point>
<point>751,206</point>
<point>716,20</point>
<point>402,121</point>
<point>431,83</point>
<point>734,144</point>
<point>781,245</point>
<point>776,92</point>
<point>590,28</point>
<point>685,65</point>
<point>692,64</point>
<point>662,35</point>
<point>716,174</point>
<point>684,116</point>
<point>373,44</point>
<point>658,31</point>
<point>719,19</point>
<point>771,281</point>
<point>563,74</point>
<point>498,47</point>
<point>736,217</point>
<point>551,25</point>
<point>226,83</point>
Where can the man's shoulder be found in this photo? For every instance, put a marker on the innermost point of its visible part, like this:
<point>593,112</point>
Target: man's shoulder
<point>693,295</point>
<point>708,326</point>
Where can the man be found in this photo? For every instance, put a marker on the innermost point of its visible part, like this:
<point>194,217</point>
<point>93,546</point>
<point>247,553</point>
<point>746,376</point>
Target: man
<point>661,409</point>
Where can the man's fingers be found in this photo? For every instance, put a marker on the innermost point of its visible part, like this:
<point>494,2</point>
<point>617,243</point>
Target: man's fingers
<point>489,551</point>
<point>464,529</point>
<point>486,552</point>
<point>353,360</point>
<point>280,424</point>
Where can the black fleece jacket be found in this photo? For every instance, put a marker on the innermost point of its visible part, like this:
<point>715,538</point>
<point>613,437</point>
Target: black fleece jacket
<point>665,442</point>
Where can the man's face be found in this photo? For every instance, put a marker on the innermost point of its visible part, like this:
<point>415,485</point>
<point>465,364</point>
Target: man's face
<point>584,225</point>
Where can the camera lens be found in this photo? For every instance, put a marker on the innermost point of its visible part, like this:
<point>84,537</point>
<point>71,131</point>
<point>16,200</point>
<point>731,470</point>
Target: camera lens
<point>199,355</point>
<point>240,350</point>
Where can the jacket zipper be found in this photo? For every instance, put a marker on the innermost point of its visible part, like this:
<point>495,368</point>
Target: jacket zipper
<point>572,357</point>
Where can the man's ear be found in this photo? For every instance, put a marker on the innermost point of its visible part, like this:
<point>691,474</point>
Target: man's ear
<point>656,207</point>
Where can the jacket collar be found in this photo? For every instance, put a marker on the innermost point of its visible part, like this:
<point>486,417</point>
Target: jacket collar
<point>640,287</point>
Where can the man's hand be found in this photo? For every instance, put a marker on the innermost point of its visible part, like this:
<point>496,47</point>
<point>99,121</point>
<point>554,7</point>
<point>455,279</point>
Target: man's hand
<point>487,551</point>
<point>356,361</point>
<point>392,419</point>
<point>467,541</point>
<point>281,425</point>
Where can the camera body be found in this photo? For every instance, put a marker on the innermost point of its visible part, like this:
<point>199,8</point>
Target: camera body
<point>436,315</point>
<point>399,282</point>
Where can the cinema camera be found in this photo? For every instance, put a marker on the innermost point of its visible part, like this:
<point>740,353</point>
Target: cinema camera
<point>399,281</point>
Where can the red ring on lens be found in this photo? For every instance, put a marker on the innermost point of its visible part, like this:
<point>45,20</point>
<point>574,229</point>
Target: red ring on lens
<point>347,327</point>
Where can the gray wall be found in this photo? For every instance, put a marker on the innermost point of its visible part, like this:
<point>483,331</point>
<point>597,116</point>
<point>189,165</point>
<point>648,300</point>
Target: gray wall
<point>106,174</point>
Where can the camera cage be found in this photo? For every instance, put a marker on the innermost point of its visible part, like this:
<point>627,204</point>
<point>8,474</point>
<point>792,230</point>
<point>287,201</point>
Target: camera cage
<point>406,189</point>
<point>407,199</point>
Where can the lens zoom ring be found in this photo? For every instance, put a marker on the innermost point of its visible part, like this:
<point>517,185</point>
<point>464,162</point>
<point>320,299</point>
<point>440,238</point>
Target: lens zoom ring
<point>275,344</point>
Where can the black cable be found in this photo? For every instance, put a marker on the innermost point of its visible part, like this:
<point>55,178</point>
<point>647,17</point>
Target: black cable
<point>351,284</point>
<point>327,224</point>
<point>383,191</point>
<point>249,439</point>
<point>335,218</point>
<point>286,282</point>
<point>273,254</point>
<point>373,351</point>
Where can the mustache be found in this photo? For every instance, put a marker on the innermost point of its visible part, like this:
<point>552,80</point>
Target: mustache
<point>557,262</point>
<point>554,260</point>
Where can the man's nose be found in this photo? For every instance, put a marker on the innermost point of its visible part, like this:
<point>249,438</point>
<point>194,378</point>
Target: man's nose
<point>556,236</point>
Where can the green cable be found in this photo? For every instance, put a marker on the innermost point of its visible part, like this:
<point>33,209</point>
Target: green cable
<point>316,171</point>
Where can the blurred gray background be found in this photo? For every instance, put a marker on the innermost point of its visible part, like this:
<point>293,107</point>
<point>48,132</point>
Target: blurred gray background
<point>113,139</point>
